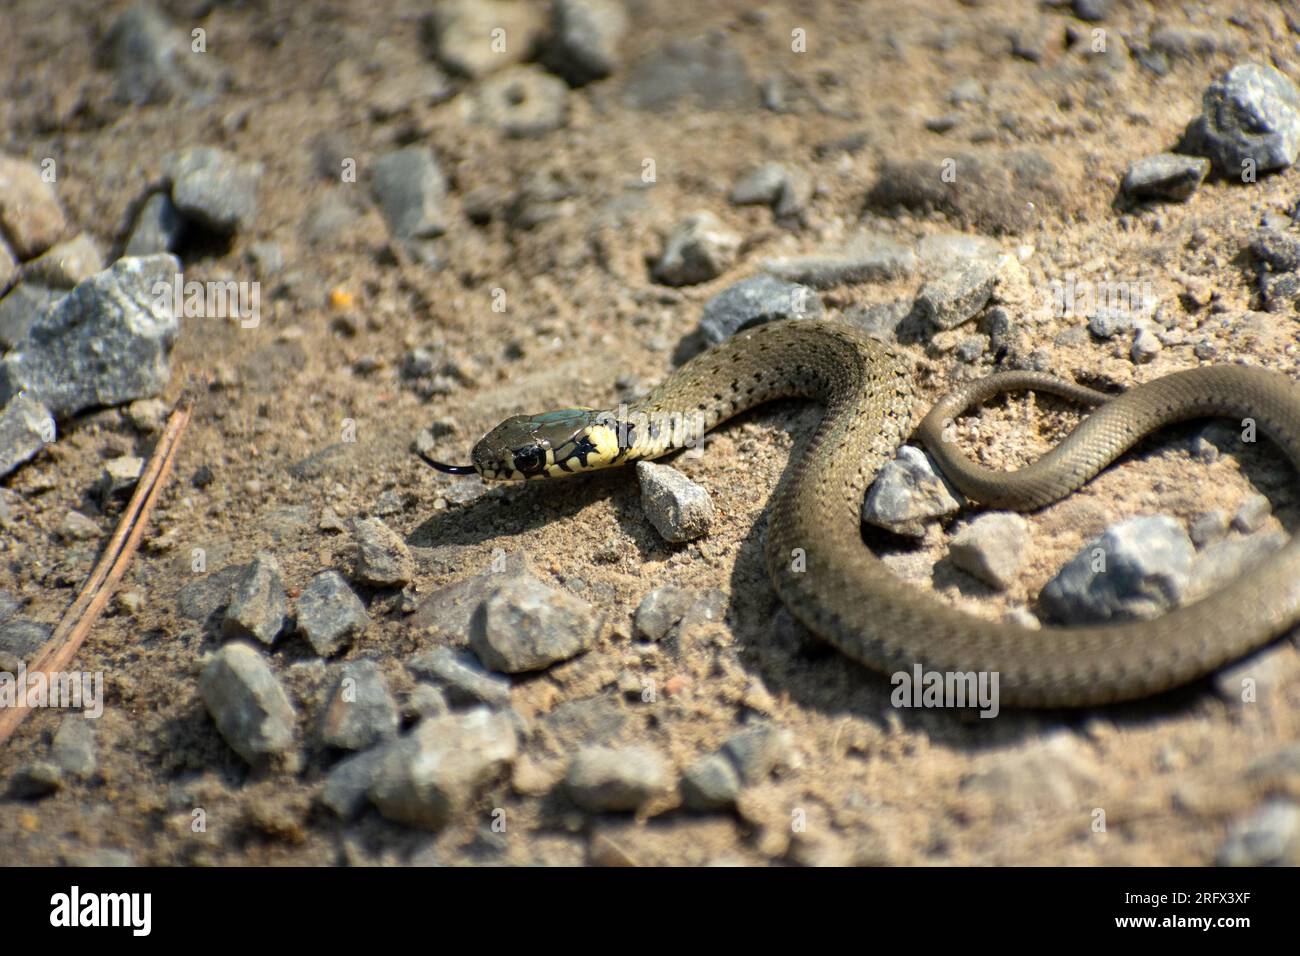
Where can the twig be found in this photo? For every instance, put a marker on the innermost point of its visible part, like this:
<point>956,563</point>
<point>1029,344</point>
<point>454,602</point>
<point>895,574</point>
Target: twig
<point>57,653</point>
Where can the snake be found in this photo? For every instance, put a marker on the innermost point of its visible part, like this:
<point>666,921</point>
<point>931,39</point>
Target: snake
<point>828,578</point>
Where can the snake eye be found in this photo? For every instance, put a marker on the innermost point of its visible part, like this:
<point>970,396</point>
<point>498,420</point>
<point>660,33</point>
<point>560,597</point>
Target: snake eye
<point>529,460</point>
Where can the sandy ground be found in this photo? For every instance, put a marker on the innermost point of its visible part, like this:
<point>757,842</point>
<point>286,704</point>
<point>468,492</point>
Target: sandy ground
<point>583,320</point>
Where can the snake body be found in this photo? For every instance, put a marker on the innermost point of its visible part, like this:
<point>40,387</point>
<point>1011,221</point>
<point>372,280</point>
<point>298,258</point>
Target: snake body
<point>826,576</point>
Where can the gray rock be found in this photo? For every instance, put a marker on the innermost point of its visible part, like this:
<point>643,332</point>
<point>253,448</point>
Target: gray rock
<point>26,427</point>
<point>381,556</point>
<point>461,34</point>
<point>78,527</point>
<point>1094,11</point>
<point>971,348</point>
<point>624,779</point>
<point>1219,563</point>
<point>159,227</point>
<point>1165,176</point>
<point>120,476</point>
<point>753,301</point>
<point>31,219</point>
<point>706,71</point>
<point>956,296</point>
<point>248,704</point>
<point>411,189</point>
<point>349,781</point>
<point>425,700</point>
<point>679,509</point>
<point>447,612</point>
<point>1207,528</point>
<point>20,639</point>
<point>20,309</point>
<point>1268,837</point>
<point>774,184</point>
<point>35,780</point>
<point>426,777</point>
<point>938,252</point>
<point>74,747</point>
<point>1279,292</point>
<point>1106,323</point>
<point>152,60</point>
<point>361,712</point>
<point>585,37</point>
<point>660,610</point>
<point>1278,250</point>
<point>1189,43</point>
<point>214,188</point>
<point>522,102</point>
<point>710,783</point>
<point>1252,513</point>
<point>879,320</point>
<point>106,342</point>
<point>462,678</point>
<point>257,605</point>
<point>329,613</point>
<point>526,626</point>
<point>1139,568</point>
<point>1146,346</point>
<point>205,600</point>
<point>992,547</point>
<point>865,258</point>
<point>907,494</point>
<point>758,750</point>
<point>1251,114</point>
<point>698,249</point>
<point>65,264</point>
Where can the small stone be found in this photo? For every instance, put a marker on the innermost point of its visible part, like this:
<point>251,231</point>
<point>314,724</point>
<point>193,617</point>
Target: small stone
<point>1207,528</point>
<point>464,39</point>
<point>1093,11</point>
<point>152,60</point>
<point>1252,513</point>
<point>20,309</point>
<point>971,348</point>
<point>74,747</point>
<point>1268,837</point>
<point>522,102</point>
<point>880,320</point>
<point>447,612</point>
<point>35,780</point>
<point>865,258</point>
<point>148,415</point>
<point>462,677</point>
<point>120,476</point>
<point>31,219</point>
<point>773,184</point>
<point>710,783</point>
<point>1251,115</point>
<point>20,640</point>
<point>958,295</point>
<point>526,626</point>
<point>699,249</point>
<point>679,509</point>
<point>159,227</point>
<point>26,427</point>
<point>330,614</point>
<point>426,777</point>
<point>1278,250</point>
<point>381,557</point>
<point>1165,176</point>
<point>1279,292</point>
<point>758,750</point>
<point>660,610</point>
<point>248,704</point>
<point>993,548</point>
<point>607,779</point>
<point>1139,568</point>
<point>214,188</point>
<point>753,301</point>
<point>707,73</point>
<point>1222,561</point>
<point>1146,346</point>
<point>411,190</point>
<point>585,36</point>
<point>106,342</point>
<point>1106,323</point>
<point>907,494</point>
<point>77,527</point>
<point>257,606</point>
<point>425,700</point>
<point>348,782</point>
<point>65,264</point>
<point>361,712</point>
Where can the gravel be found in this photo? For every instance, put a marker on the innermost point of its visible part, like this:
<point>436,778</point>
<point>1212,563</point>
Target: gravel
<point>107,342</point>
<point>700,248</point>
<point>214,188</point>
<point>1251,115</point>
<point>152,61</point>
<point>461,676</point>
<point>380,556</point>
<point>679,509</point>
<point>753,301</point>
<point>461,34</point>
<point>527,626</point>
<point>1268,837</point>
<point>73,749</point>
<point>65,264</point>
<point>585,38</point>
<point>908,493</point>
<point>992,547</point>
<point>603,779</point>
<point>20,309</point>
<point>411,190</point>
<point>521,102</point>
<point>707,73</point>
<point>864,258</point>
<point>248,705</point>
<point>257,605</point>
<point>426,777</point>
<point>31,219</point>
<point>159,227</point>
<point>957,296</point>
<point>361,712</point>
<point>1138,568</point>
<point>330,614</point>
<point>26,427</point>
<point>1165,176</point>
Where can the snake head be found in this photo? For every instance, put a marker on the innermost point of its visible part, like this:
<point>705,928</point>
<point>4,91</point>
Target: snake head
<point>549,445</point>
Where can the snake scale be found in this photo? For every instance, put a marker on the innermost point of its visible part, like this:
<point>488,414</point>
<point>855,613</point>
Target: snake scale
<point>828,578</point>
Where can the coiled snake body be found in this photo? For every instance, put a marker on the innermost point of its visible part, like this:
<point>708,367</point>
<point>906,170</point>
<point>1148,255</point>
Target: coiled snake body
<point>815,554</point>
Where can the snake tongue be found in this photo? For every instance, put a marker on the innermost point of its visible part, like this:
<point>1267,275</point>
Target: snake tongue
<point>445,468</point>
